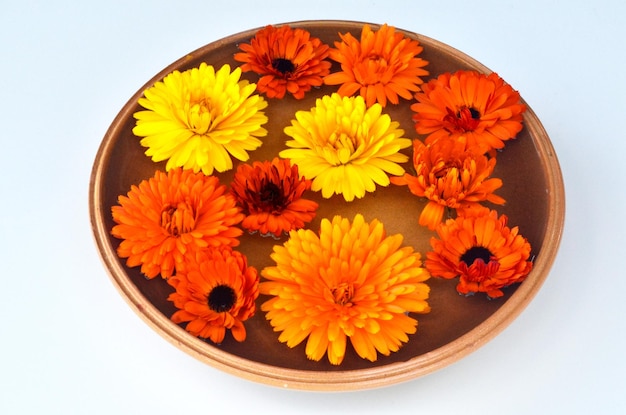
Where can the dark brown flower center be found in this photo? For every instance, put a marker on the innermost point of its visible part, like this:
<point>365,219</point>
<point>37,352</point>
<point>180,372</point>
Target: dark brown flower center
<point>270,198</point>
<point>465,119</point>
<point>284,66</point>
<point>476,253</point>
<point>178,219</point>
<point>221,298</point>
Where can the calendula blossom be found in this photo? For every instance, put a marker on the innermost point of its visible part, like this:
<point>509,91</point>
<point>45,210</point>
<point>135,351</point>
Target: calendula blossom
<point>288,60</point>
<point>382,66</point>
<point>199,118</point>
<point>166,216</point>
<point>482,108</point>
<point>450,176</point>
<point>345,147</point>
<point>350,281</point>
<point>482,251</point>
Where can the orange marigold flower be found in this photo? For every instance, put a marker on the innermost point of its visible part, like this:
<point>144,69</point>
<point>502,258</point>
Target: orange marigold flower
<point>215,290</point>
<point>482,250</point>
<point>288,60</point>
<point>381,66</point>
<point>170,214</point>
<point>483,108</point>
<point>350,281</point>
<point>449,176</point>
<point>270,195</point>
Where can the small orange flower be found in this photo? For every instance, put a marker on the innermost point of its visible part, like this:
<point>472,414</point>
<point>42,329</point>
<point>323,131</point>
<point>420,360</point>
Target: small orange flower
<point>288,60</point>
<point>381,66</point>
<point>483,108</point>
<point>170,214</point>
<point>482,250</point>
<point>215,290</point>
<point>449,175</point>
<point>270,195</point>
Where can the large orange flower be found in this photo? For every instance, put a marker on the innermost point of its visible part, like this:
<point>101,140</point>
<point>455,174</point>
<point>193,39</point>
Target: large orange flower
<point>288,60</point>
<point>382,66</point>
<point>480,249</point>
<point>350,281</point>
<point>449,176</point>
<point>215,290</point>
<point>270,195</point>
<point>170,214</point>
<point>483,108</point>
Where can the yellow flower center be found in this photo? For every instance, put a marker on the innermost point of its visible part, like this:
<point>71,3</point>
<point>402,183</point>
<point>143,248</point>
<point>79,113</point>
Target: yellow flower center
<point>179,219</point>
<point>343,293</point>
<point>199,116</point>
<point>342,146</point>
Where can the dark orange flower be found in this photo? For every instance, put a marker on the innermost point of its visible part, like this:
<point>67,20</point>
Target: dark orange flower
<point>270,195</point>
<point>381,66</point>
<point>483,108</point>
<point>215,290</point>
<point>449,176</point>
<point>288,60</point>
<point>482,250</point>
<point>171,213</point>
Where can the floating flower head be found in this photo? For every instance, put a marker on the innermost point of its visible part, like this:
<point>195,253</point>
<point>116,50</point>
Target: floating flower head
<point>199,118</point>
<point>345,147</point>
<point>480,249</point>
<point>350,281</point>
<point>449,176</point>
<point>172,213</point>
<point>270,195</point>
<point>382,66</point>
<point>215,290</point>
<point>288,60</point>
<point>483,108</point>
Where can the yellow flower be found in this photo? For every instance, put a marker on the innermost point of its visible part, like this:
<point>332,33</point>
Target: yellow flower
<point>350,281</point>
<point>198,118</point>
<point>344,147</point>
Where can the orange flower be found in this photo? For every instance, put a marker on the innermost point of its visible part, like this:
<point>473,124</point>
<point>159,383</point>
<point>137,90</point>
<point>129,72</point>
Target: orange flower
<point>483,108</point>
<point>381,66</point>
<point>449,175</point>
<point>270,194</point>
<point>215,290</point>
<point>288,60</point>
<point>171,213</point>
<point>350,281</point>
<point>482,250</point>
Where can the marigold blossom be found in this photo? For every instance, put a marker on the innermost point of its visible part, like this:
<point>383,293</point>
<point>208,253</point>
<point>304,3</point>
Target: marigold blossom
<point>350,281</point>
<point>480,249</point>
<point>288,60</point>
<point>199,118</point>
<point>483,108</point>
<point>166,216</point>
<point>449,176</point>
<point>215,290</point>
<point>344,147</point>
<point>382,66</point>
<point>270,195</point>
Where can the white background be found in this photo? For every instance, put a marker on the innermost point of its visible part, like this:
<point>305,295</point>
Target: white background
<point>71,345</point>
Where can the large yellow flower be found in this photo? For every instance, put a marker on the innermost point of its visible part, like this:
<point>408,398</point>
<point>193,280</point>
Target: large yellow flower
<point>198,118</point>
<point>344,147</point>
<point>350,281</point>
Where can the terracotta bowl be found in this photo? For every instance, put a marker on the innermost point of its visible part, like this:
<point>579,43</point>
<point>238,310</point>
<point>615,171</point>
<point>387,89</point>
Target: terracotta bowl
<point>455,327</point>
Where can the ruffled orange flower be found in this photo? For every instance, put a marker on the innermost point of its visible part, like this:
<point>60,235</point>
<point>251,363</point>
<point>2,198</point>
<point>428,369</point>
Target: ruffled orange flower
<point>170,214</point>
<point>215,290</point>
<point>480,249</point>
<point>381,67</point>
<point>288,60</point>
<point>350,281</point>
<point>270,195</point>
<point>483,108</point>
<point>449,176</point>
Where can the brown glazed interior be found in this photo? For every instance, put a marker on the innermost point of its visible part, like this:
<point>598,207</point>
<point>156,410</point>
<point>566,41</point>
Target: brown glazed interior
<point>456,326</point>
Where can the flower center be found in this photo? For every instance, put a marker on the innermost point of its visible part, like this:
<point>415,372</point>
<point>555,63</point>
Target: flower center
<point>476,253</point>
<point>342,293</point>
<point>465,119</point>
<point>178,219</point>
<point>221,298</point>
<point>270,197</point>
<point>284,66</point>
<point>199,116</point>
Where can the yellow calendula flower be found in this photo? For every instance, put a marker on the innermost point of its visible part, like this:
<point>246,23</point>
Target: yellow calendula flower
<point>199,118</point>
<point>344,147</point>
